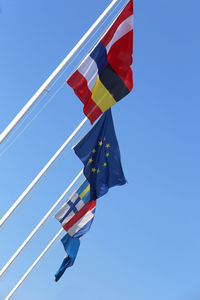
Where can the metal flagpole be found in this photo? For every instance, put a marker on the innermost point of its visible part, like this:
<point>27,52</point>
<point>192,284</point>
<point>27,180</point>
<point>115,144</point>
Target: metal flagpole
<point>33,265</point>
<point>7,265</point>
<point>42,172</point>
<point>44,86</point>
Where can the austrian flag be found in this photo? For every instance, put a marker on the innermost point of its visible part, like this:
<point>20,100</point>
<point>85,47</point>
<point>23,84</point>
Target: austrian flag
<point>105,76</point>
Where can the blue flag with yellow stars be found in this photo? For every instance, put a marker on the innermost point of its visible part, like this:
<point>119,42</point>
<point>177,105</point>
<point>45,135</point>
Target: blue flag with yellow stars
<point>99,152</point>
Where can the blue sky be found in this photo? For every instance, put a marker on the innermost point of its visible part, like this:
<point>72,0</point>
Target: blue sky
<point>144,242</point>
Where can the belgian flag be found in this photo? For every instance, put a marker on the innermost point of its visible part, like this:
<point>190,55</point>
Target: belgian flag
<point>105,75</point>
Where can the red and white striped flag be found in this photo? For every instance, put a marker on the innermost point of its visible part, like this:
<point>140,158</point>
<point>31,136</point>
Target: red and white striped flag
<point>105,76</point>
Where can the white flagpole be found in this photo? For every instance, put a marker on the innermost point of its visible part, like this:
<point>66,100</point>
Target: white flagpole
<point>33,265</point>
<point>44,86</point>
<point>42,172</point>
<point>7,265</point>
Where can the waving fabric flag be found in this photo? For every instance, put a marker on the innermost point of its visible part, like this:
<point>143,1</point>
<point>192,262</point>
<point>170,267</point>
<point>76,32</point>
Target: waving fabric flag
<point>99,152</point>
<point>76,217</point>
<point>105,76</point>
<point>71,246</point>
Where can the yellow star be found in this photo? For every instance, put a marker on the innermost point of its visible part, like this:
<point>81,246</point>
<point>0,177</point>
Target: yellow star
<point>107,145</point>
<point>90,160</point>
<point>93,170</point>
<point>100,143</point>
<point>93,151</point>
<point>104,138</point>
<point>105,164</point>
<point>98,170</point>
<point>107,154</point>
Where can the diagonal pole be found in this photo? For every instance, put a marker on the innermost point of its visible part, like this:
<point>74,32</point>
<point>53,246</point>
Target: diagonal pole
<point>42,172</point>
<point>15,255</point>
<point>33,265</point>
<point>45,85</point>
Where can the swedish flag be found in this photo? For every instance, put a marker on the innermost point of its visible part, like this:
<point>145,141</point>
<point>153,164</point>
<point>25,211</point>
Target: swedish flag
<point>99,152</point>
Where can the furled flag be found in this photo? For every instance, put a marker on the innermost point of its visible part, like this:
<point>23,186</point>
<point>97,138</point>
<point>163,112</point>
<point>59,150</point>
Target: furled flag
<point>71,246</point>
<point>105,76</point>
<point>99,152</point>
<point>76,217</point>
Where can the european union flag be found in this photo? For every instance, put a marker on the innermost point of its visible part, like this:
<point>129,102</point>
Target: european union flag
<point>99,152</point>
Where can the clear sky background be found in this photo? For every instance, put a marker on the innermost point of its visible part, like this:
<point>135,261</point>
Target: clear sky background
<point>144,242</point>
